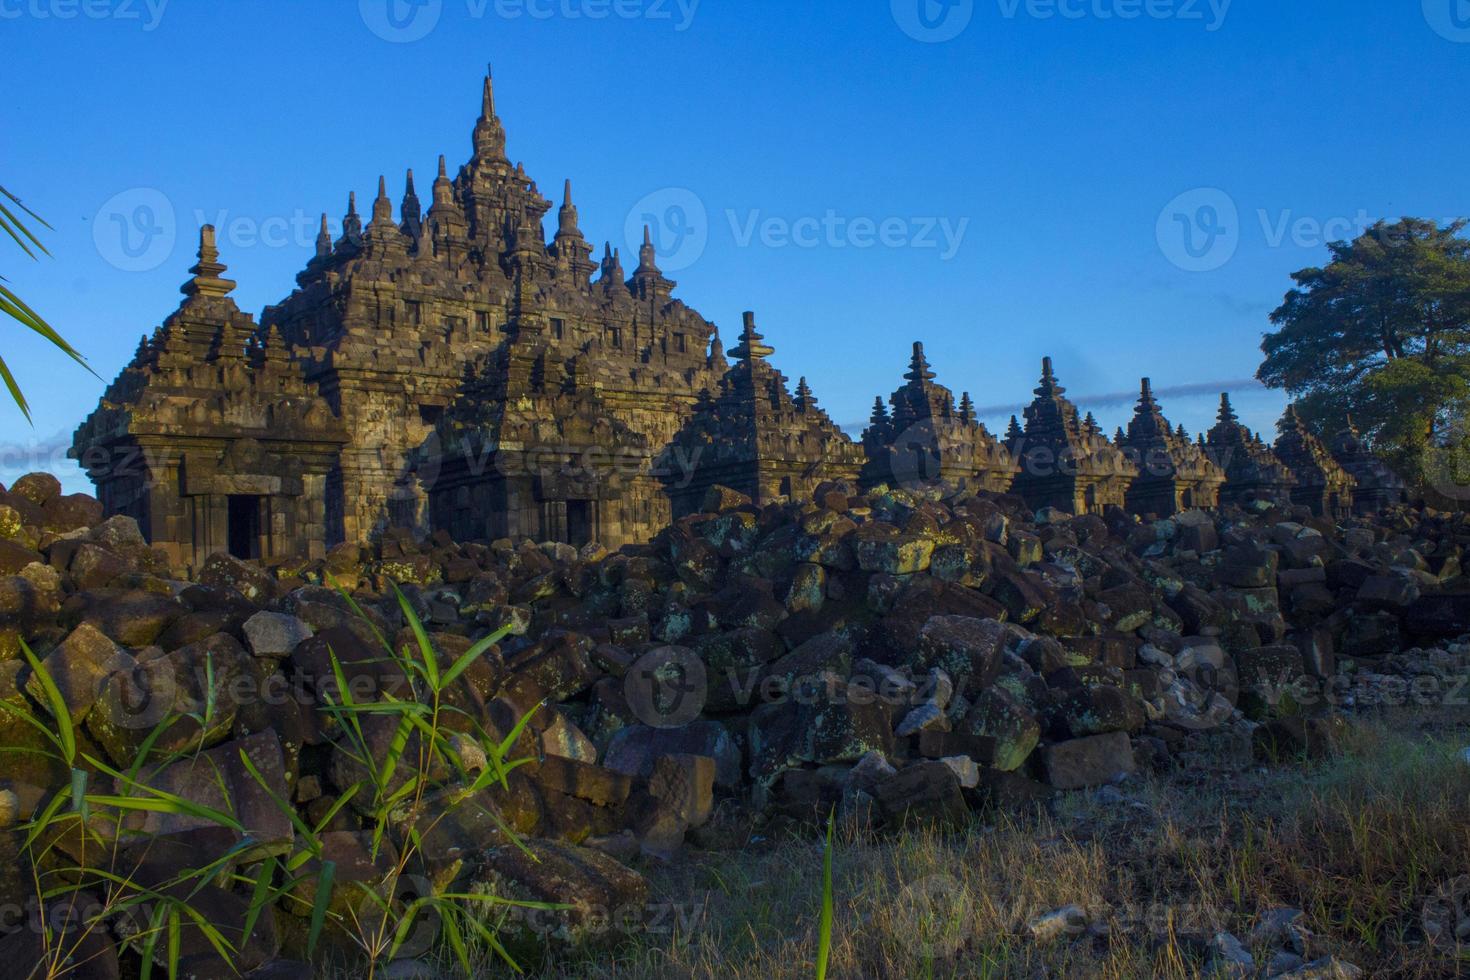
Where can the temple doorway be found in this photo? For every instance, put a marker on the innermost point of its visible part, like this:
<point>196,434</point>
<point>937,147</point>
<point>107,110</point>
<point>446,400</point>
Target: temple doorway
<point>244,525</point>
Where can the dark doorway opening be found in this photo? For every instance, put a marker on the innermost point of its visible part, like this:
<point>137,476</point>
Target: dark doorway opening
<point>244,530</point>
<point>579,522</point>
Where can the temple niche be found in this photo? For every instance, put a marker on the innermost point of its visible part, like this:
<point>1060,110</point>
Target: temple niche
<point>928,439</point>
<point>1321,483</point>
<point>1066,462</point>
<point>1378,487</point>
<point>755,437</point>
<point>1174,474</point>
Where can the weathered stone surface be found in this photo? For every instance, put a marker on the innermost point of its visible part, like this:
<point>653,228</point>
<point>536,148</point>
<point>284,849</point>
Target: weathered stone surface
<point>1091,761</point>
<point>274,635</point>
<point>77,668</point>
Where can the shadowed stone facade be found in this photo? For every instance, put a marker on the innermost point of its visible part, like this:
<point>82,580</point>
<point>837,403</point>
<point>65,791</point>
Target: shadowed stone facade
<point>928,439</point>
<point>1321,483</point>
<point>1067,462</point>
<point>450,369</point>
<point>210,438</point>
<point>1377,485</point>
<point>1174,474</point>
<point>755,437</point>
<point>1252,471</point>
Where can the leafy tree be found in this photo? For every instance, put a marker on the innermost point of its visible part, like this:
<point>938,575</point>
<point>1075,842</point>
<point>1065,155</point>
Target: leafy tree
<point>1382,333</point>
<point>12,306</point>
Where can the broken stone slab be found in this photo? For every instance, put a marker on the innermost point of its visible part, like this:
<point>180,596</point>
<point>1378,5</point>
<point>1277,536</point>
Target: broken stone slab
<point>275,635</point>
<point>218,779</point>
<point>1009,725</point>
<point>606,899</point>
<point>923,792</point>
<point>686,783</point>
<point>78,668</point>
<point>635,749</point>
<point>965,647</point>
<point>1092,761</point>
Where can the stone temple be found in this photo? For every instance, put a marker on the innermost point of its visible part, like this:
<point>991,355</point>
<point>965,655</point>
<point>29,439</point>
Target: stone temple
<point>449,369</point>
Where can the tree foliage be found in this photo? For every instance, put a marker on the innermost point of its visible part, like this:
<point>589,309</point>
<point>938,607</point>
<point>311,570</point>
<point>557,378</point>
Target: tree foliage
<point>11,305</point>
<point>1382,332</point>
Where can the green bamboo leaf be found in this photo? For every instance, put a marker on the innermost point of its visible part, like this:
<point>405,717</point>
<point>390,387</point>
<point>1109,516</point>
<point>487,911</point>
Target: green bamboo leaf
<point>473,654</point>
<point>14,389</point>
<point>319,906</point>
<point>426,649</point>
<point>57,705</point>
<point>260,896</point>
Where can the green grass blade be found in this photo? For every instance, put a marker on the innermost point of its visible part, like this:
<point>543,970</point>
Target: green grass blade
<point>426,649</point>
<point>319,906</point>
<point>471,655</point>
<point>66,733</point>
<point>824,928</point>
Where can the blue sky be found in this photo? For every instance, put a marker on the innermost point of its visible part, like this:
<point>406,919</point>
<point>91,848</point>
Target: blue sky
<point>1122,184</point>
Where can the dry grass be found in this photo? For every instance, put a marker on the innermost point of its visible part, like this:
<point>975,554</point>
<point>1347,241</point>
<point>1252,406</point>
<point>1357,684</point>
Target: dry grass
<point>1359,843</point>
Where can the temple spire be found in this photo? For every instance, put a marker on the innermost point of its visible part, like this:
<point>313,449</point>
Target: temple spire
<point>805,401</point>
<point>967,408</point>
<point>647,255</point>
<point>411,210</point>
<point>208,270</point>
<point>1014,430</point>
<point>750,347</point>
<point>1146,395</point>
<point>1227,414</point>
<point>324,239</point>
<point>1049,387</point>
<point>489,135</point>
<point>352,222</point>
<point>918,371</point>
<point>880,412</point>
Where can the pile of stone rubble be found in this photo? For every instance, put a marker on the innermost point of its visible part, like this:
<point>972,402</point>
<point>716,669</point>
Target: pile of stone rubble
<point>896,655</point>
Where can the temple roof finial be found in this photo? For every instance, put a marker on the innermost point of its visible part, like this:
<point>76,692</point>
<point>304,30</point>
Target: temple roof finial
<point>207,272</point>
<point>750,347</point>
<point>919,372</point>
